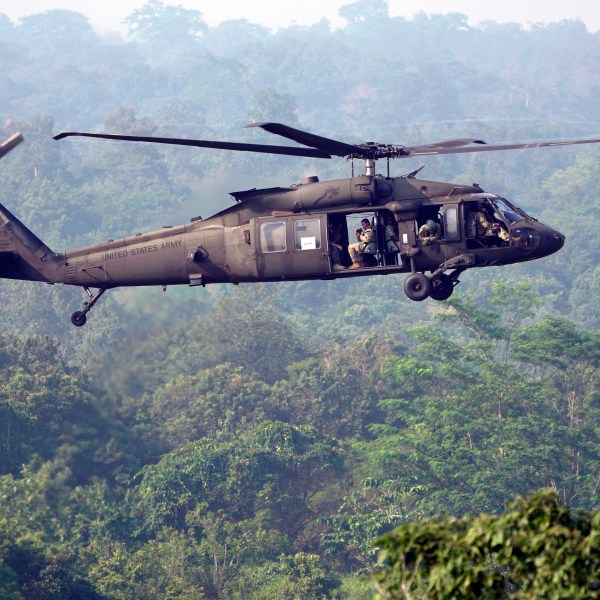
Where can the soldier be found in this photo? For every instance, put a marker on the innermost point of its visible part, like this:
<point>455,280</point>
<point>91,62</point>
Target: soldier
<point>366,244</point>
<point>487,227</point>
<point>336,248</point>
<point>392,243</point>
<point>429,232</point>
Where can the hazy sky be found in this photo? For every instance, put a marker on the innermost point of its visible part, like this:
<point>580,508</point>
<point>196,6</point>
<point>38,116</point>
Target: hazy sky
<point>107,15</point>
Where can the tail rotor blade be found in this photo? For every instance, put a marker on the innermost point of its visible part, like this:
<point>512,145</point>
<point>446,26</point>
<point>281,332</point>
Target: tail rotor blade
<point>10,143</point>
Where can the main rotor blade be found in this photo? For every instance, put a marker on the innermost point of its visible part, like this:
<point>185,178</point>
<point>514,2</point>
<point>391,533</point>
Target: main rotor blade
<point>309,139</point>
<point>427,150</point>
<point>240,146</point>
<point>456,143</point>
<point>10,143</point>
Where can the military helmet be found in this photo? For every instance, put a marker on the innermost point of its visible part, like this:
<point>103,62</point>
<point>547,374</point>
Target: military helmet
<point>430,224</point>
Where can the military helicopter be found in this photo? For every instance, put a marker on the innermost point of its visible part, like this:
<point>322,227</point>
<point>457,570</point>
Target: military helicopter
<point>303,231</point>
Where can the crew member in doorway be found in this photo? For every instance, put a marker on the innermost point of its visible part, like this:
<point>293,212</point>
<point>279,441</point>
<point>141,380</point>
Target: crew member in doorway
<point>336,249</point>
<point>429,232</point>
<point>392,242</point>
<point>365,244</point>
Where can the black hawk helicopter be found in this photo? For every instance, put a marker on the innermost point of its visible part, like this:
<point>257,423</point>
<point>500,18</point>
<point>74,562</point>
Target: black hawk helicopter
<point>304,231</point>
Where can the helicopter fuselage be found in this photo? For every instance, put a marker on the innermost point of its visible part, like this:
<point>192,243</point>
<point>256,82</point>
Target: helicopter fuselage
<point>281,234</point>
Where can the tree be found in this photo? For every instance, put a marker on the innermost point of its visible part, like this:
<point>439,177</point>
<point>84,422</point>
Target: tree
<point>476,424</point>
<point>195,406</point>
<point>39,394</point>
<point>166,567</point>
<point>365,513</point>
<point>43,530</point>
<point>364,11</point>
<point>537,549</point>
<point>301,575</point>
<point>166,31</point>
<point>274,467</point>
<point>338,390</point>
<point>271,105</point>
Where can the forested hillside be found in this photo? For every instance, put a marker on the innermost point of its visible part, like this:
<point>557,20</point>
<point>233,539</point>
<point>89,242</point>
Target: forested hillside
<point>254,441</point>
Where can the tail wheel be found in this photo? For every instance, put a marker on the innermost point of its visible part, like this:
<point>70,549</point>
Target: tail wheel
<point>418,286</point>
<point>78,318</point>
<point>443,286</point>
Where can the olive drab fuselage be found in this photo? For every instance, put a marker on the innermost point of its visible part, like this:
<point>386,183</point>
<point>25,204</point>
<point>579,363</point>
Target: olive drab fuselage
<point>230,246</point>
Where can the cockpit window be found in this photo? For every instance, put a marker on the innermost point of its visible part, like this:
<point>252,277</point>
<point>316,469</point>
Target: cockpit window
<point>507,211</point>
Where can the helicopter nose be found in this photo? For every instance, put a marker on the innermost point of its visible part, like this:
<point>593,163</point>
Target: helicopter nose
<point>560,239</point>
<point>551,240</point>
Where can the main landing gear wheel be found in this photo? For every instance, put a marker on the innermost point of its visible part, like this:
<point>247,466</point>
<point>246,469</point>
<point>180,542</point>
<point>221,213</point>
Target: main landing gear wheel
<point>417,286</point>
<point>443,286</point>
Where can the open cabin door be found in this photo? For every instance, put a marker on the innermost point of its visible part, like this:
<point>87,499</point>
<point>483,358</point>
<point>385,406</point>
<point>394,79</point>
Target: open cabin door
<point>292,246</point>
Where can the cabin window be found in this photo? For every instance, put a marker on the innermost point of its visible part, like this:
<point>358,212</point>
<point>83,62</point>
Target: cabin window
<point>272,237</point>
<point>307,234</point>
<point>451,223</point>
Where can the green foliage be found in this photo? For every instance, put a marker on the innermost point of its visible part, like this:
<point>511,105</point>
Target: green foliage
<point>365,513</point>
<point>167,567</point>
<point>239,332</point>
<point>40,512</point>
<point>300,575</point>
<point>479,422</point>
<point>339,390</point>
<point>40,397</point>
<point>195,406</point>
<point>8,582</point>
<point>535,549</point>
<point>276,467</point>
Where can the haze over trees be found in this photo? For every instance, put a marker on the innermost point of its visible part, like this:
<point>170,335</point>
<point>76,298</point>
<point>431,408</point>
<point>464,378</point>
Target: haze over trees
<point>253,442</point>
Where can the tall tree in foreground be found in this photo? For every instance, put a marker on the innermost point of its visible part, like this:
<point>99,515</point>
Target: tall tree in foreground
<point>536,549</point>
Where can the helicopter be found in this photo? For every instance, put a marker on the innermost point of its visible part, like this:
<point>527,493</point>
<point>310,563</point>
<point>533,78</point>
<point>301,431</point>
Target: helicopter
<point>304,231</point>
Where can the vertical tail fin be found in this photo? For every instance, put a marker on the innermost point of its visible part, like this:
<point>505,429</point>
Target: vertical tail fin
<point>22,254</point>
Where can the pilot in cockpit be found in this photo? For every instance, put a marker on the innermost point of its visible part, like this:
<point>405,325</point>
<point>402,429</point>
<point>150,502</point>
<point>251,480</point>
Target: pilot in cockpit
<point>488,226</point>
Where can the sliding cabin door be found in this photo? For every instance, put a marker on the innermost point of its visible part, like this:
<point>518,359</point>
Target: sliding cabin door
<point>292,247</point>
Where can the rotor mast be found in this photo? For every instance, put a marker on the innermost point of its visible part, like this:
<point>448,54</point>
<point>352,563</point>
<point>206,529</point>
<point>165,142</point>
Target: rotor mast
<point>370,167</point>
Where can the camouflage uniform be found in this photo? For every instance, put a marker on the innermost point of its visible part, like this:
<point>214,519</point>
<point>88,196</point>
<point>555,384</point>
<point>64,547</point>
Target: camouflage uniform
<point>365,245</point>
<point>429,233</point>
<point>391,237</point>
<point>486,228</point>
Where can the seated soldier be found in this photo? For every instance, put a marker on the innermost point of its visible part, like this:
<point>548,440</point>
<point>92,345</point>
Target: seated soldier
<point>366,244</point>
<point>392,242</point>
<point>429,232</point>
<point>336,248</point>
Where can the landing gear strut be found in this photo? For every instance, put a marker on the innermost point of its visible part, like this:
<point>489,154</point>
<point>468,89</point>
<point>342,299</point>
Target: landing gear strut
<point>78,318</point>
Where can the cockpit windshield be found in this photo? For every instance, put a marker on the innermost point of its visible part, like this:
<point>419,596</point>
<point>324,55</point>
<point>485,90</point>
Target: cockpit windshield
<point>508,211</point>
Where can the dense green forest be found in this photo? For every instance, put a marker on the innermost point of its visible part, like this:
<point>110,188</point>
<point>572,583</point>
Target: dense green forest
<point>254,441</point>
